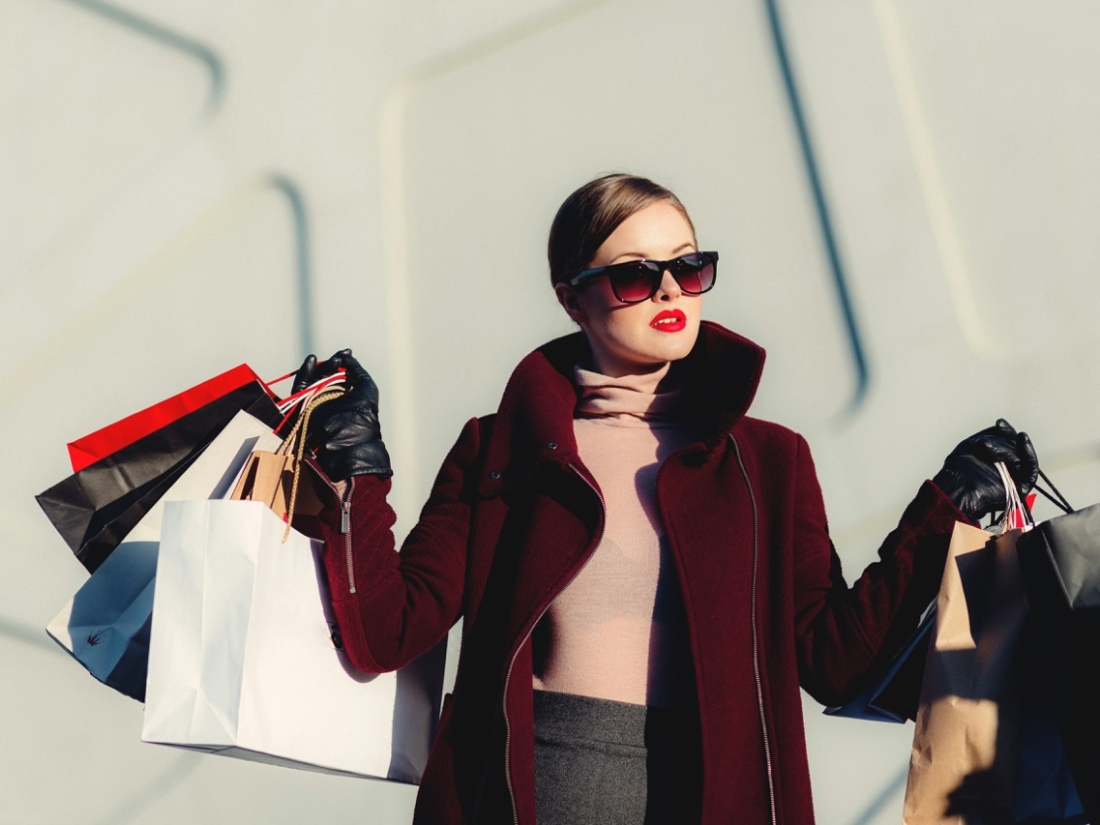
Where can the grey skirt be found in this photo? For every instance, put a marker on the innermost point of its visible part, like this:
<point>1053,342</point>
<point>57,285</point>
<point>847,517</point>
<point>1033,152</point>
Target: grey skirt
<point>599,762</point>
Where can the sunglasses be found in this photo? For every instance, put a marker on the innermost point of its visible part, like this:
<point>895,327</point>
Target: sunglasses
<point>637,281</point>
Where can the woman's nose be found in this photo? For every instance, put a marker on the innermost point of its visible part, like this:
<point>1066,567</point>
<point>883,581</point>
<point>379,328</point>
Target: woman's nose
<point>669,289</point>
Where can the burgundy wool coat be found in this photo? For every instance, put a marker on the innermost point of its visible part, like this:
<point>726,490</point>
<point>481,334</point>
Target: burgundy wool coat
<point>514,514</point>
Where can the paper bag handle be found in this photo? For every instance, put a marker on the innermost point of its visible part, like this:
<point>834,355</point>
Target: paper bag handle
<point>304,396</point>
<point>1016,513</point>
<point>297,435</point>
<point>1057,499</point>
<point>292,448</point>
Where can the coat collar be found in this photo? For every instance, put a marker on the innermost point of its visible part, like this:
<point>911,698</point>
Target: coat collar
<point>534,423</point>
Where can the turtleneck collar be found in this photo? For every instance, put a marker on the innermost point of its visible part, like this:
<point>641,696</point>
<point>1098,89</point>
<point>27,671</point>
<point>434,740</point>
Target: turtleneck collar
<point>650,399</point>
<point>535,419</point>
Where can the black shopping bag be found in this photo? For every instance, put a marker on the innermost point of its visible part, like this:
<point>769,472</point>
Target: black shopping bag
<point>1060,560</point>
<point>1044,790</point>
<point>893,693</point>
<point>94,509</point>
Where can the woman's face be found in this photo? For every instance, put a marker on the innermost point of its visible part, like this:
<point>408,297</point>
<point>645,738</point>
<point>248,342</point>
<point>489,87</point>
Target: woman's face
<point>637,338</point>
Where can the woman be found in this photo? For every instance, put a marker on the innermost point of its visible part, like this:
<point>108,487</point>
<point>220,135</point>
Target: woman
<point>644,572</point>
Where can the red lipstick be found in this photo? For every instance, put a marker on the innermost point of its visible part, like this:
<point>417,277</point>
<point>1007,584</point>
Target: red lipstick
<point>669,320</point>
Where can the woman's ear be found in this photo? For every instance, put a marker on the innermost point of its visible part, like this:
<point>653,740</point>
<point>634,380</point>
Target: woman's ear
<point>567,297</point>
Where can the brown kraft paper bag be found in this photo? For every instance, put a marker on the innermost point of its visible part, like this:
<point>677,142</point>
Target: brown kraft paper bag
<point>965,744</point>
<point>275,478</point>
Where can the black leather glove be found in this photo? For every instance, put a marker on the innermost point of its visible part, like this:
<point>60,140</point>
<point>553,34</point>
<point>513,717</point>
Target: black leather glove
<point>344,432</point>
<point>972,482</point>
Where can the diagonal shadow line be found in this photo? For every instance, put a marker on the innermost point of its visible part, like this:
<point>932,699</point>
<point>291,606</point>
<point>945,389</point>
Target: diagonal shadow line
<point>840,283</point>
<point>187,45</point>
<point>300,217</point>
<point>27,634</point>
<point>153,791</point>
<point>885,796</point>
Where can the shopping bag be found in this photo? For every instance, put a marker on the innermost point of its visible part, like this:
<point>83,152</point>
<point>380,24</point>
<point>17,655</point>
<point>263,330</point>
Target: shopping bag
<point>275,478</point>
<point>106,624</point>
<point>96,507</point>
<point>965,745</point>
<point>1044,788</point>
<point>894,694</point>
<point>1060,559</point>
<point>965,742</point>
<point>984,746</point>
<point>110,439</point>
<point>242,661</point>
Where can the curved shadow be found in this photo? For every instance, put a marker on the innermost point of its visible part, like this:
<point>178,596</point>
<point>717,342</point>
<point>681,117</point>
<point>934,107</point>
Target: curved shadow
<point>300,217</point>
<point>393,169</point>
<point>192,48</point>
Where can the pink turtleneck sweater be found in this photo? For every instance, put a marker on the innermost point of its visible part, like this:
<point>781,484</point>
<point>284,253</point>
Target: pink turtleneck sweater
<point>617,631</point>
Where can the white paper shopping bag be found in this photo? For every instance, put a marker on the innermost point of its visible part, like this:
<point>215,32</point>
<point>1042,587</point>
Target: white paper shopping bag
<point>242,660</point>
<point>105,626</point>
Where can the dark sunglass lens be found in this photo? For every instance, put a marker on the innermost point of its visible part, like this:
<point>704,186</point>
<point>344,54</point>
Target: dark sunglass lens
<point>694,273</point>
<point>632,282</point>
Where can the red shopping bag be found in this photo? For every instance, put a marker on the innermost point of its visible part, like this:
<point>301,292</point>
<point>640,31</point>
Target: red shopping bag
<point>110,439</point>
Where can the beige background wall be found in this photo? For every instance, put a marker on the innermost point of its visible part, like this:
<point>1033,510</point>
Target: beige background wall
<point>188,185</point>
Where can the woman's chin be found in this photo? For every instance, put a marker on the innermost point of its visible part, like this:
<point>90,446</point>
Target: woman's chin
<point>674,345</point>
<point>657,357</point>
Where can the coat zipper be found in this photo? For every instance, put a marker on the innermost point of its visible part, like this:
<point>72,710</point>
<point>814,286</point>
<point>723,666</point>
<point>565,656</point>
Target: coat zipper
<point>527,635</point>
<point>755,632</point>
<point>345,524</point>
<point>345,528</point>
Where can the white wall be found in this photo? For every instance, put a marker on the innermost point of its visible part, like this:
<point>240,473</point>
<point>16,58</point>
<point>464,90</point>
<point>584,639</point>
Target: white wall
<point>172,173</point>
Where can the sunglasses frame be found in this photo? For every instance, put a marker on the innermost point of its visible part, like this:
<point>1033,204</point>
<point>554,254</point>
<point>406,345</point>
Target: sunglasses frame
<point>656,274</point>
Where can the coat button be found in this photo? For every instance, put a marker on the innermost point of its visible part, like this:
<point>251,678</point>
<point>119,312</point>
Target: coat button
<point>494,475</point>
<point>552,446</point>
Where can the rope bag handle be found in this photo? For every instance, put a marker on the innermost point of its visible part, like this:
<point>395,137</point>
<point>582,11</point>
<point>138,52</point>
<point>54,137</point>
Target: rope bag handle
<point>296,441</point>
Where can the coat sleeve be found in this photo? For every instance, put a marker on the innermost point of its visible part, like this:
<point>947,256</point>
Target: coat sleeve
<point>844,632</point>
<point>391,607</point>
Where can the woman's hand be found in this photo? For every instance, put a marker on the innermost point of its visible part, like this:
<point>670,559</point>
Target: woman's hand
<point>345,431</point>
<point>969,478</point>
